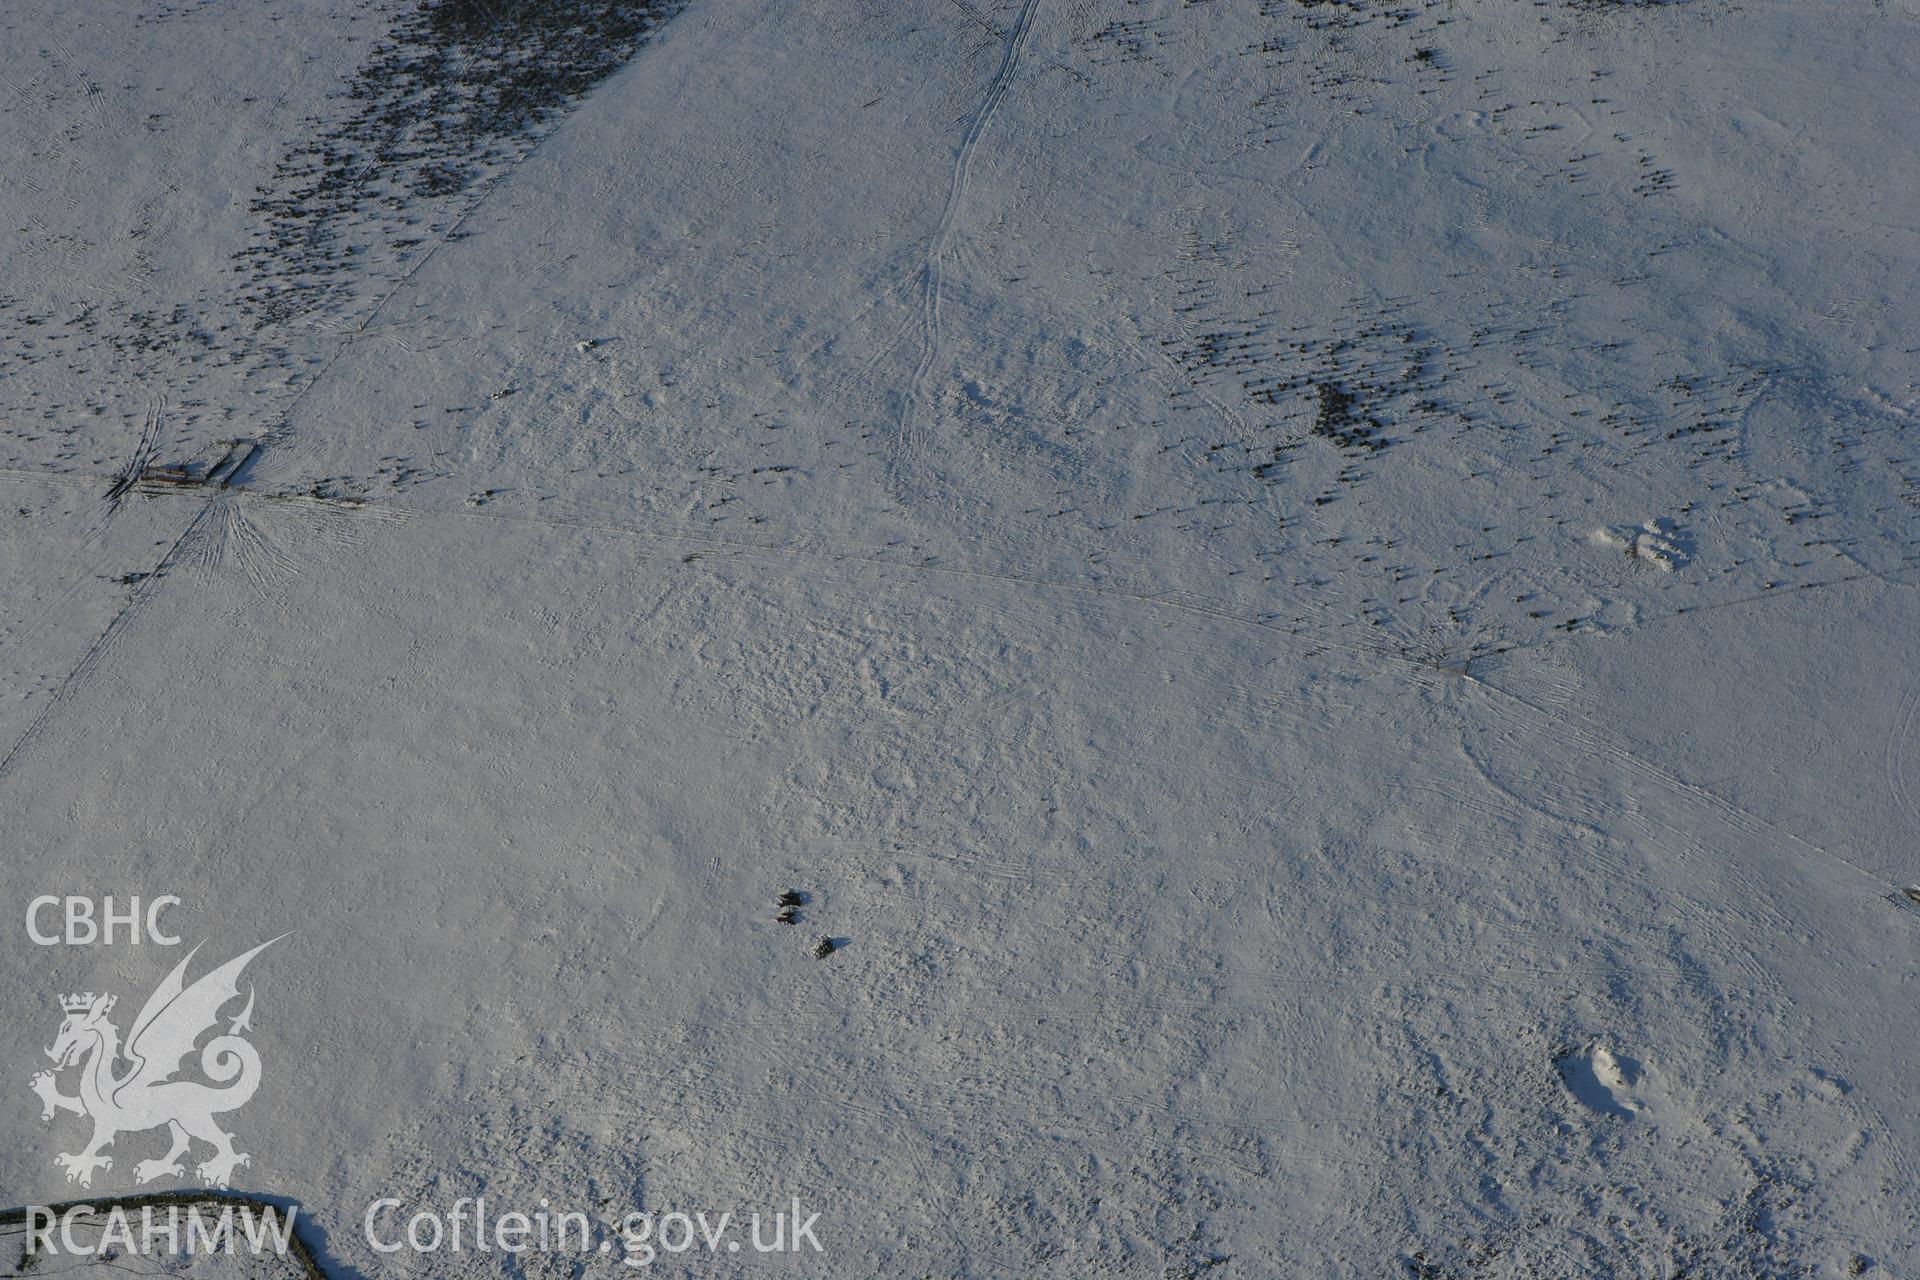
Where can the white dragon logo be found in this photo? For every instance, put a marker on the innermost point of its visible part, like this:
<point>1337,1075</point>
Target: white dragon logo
<point>145,1096</point>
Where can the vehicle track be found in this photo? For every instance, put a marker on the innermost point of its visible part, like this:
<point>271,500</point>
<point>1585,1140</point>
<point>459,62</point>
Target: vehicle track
<point>933,275</point>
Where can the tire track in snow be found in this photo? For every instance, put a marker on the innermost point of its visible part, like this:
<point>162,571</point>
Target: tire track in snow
<point>933,275</point>
<point>96,652</point>
<point>142,456</point>
<point>1898,744</point>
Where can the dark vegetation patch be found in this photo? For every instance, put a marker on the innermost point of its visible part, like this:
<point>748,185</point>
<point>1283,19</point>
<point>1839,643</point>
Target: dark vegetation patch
<point>452,93</point>
<point>457,89</point>
<point>1346,388</point>
<point>1128,40</point>
<point>1338,419</point>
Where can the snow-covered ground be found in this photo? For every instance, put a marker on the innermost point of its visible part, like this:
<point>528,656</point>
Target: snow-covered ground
<point>1317,595</point>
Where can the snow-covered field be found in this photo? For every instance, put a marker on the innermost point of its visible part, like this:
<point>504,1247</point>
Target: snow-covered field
<point>1316,596</point>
